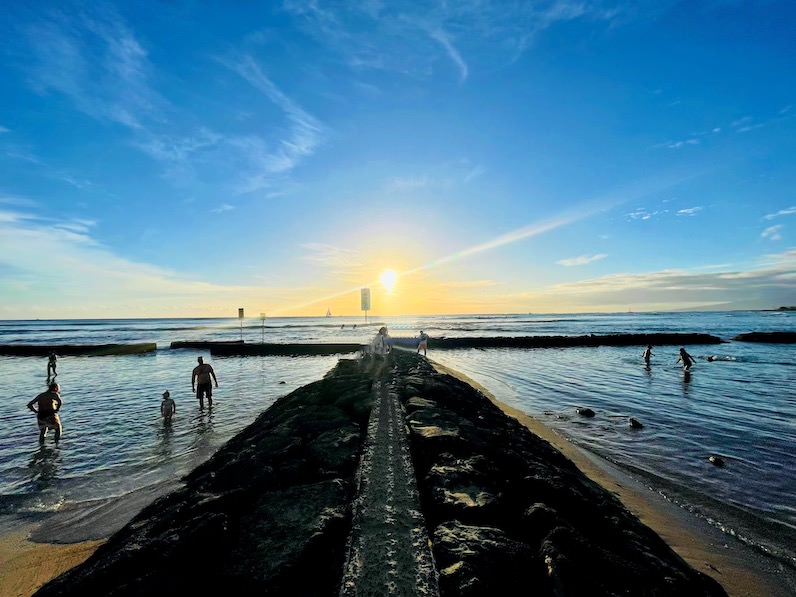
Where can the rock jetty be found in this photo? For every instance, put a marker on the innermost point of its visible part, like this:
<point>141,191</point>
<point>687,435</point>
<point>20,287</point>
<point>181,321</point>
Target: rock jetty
<point>32,350</point>
<point>385,478</point>
<point>770,337</point>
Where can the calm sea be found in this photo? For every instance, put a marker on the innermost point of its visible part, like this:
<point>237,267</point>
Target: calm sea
<point>741,406</point>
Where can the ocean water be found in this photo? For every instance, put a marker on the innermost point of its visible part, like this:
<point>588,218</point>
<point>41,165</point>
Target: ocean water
<point>741,406</point>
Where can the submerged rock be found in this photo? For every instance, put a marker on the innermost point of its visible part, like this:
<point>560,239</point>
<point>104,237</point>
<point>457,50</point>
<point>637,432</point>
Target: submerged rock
<point>585,412</point>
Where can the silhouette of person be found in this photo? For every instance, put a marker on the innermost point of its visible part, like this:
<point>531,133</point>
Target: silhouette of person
<point>52,363</point>
<point>200,382</point>
<point>687,359</point>
<point>47,406</point>
<point>647,354</point>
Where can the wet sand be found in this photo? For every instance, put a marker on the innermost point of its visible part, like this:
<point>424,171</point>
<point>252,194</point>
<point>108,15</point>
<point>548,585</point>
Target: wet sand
<point>26,563</point>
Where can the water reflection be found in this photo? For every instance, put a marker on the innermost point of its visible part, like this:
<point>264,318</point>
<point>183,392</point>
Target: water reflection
<point>43,466</point>
<point>165,435</point>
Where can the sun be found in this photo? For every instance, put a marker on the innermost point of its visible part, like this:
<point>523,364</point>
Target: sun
<point>388,279</point>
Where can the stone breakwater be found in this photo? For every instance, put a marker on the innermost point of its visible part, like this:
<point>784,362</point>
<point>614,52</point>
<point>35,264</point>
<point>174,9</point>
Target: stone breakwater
<point>284,508</point>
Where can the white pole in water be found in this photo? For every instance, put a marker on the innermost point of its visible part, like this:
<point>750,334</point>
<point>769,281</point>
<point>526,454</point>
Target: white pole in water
<point>240,316</point>
<point>262,318</point>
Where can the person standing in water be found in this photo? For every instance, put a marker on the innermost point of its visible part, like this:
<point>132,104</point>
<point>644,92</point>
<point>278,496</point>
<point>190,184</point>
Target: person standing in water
<point>52,363</point>
<point>200,382</point>
<point>647,355</point>
<point>168,407</point>
<point>47,404</point>
<point>687,359</point>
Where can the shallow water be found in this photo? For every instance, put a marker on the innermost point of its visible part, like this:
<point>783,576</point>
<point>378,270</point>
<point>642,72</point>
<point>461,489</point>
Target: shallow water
<point>741,407</point>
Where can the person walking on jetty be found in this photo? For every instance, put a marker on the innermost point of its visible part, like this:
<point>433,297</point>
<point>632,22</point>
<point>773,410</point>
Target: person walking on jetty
<point>168,407</point>
<point>200,382</point>
<point>52,363</point>
<point>647,355</point>
<point>423,342</point>
<point>381,343</point>
<point>687,359</point>
<point>47,404</point>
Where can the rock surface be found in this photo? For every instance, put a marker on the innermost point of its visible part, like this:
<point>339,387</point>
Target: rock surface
<point>770,337</point>
<point>272,511</point>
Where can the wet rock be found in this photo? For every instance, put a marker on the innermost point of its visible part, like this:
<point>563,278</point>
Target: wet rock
<point>634,423</point>
<point>716,460</point>
<point>585,412</point>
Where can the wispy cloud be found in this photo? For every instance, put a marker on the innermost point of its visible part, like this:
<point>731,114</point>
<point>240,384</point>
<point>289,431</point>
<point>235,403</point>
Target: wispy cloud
<point>642,214</point>
<point>38,254</point>
<point>306,132</point>
<point>773,282</point>
<point>772,232</point>
<point>96,61</point>
<point>331,256</point>
<point>399,183</point>
<point>581,260</point>
<point>222,208</point>
<point>679,144</point>
<point>474,173</point>
<point>4,130</point>
<point>408,37</point>
<point>689,211</point>
<point>444,40</point>
<point>783,212</point>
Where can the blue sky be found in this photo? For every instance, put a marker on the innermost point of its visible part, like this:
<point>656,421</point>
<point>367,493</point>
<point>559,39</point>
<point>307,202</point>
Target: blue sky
<point>188,158</point>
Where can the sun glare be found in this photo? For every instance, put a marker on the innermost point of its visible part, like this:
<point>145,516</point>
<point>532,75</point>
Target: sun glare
<point>388,279</point>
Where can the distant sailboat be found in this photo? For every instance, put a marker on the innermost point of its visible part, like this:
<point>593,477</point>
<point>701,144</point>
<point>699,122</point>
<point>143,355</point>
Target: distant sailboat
<point>328,312</point>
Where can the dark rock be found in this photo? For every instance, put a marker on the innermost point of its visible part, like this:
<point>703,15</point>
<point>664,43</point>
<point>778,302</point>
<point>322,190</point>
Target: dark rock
<point>770,337</point>
<point>76,349</point>
<point>634,423</point>
<point>716,460</point>
<point>585,412</point>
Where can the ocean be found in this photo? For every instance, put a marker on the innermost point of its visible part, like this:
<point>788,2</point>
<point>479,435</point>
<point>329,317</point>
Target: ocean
<point>740,406</point>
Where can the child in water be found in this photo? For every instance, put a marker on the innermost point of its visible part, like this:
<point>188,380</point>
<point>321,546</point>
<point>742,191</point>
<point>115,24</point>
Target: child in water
<point>687,359</point>
<point>167,407</point>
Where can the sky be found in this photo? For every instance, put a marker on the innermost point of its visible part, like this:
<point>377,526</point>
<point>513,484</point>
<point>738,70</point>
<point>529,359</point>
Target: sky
<point>186,159</point>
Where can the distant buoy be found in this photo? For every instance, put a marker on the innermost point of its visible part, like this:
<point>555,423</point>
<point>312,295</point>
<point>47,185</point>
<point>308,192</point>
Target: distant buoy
<point>634,423</point>
<point>716,460</point>
<point>585,412</point>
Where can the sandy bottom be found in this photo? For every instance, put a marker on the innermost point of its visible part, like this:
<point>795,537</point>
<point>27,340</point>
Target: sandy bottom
<point>26,565</point>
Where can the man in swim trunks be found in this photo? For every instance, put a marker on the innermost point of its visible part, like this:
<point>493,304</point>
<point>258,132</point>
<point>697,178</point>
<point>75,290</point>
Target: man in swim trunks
<point>200,382</point>
<point>47,406</point>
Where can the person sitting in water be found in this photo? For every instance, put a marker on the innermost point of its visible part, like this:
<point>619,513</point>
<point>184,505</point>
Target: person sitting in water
<point>687,359</point>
